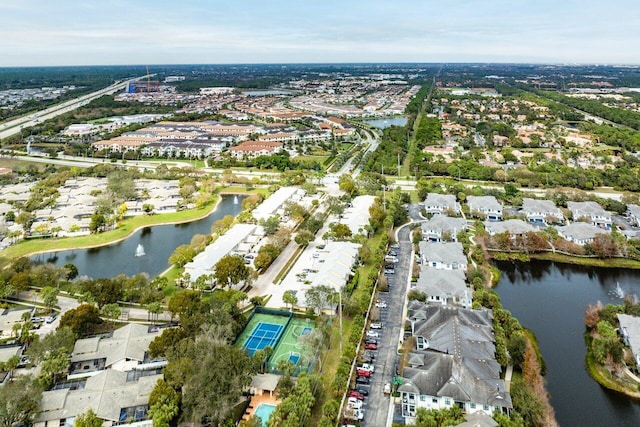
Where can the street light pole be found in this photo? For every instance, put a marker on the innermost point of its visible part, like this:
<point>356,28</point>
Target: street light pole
<point>340,314</point>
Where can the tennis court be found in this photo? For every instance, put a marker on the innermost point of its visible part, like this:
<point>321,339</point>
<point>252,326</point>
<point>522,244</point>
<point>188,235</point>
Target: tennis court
<point>263,330</point>
<point>263,335</point>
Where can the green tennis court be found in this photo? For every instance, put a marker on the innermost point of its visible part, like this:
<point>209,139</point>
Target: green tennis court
<point>263,330</point>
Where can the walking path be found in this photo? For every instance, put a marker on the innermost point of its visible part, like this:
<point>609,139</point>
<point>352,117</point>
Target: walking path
<point>507,377</point>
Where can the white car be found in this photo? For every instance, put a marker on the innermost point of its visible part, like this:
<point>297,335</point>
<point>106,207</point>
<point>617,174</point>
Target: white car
<point>381,304</point>
<point>354,403</point>
<point>367,367</point>
<point>373,334</point>
<point>376,325</point>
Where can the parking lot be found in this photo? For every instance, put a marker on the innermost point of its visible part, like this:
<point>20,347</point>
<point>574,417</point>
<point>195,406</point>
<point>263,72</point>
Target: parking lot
<point>388,311</point>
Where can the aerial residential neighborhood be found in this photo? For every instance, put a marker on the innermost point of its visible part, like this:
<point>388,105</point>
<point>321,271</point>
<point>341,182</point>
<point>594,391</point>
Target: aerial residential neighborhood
<point>267,240</point>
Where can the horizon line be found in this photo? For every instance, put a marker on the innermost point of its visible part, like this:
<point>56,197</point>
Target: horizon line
<point>563,64</point>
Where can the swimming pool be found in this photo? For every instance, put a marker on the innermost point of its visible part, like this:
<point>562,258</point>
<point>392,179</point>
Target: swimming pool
<point>264,411</point>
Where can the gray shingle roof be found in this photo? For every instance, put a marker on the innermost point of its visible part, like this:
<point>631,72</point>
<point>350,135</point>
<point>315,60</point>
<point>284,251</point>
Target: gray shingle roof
<point>106,393</point>
<point>484,203</point>
<point>435,200</point>
<point>440,282</point>
<point>631,325</point>
<point>513,226</point>
<point>449,252</point>
<point>444,223</point>
<point>535,206</point>
<point>129,342</point>
<point>580,231</point>
<point>579,209</point>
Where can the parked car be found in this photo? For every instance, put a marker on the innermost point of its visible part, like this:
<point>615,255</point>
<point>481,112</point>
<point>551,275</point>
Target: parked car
<point>362,373</point>
<point>376,325</point>
<point>371,346</point>
<point>395,246</point>
<point>371,341</point>
<point>373,334</point>
<point>387,388</point>
<point>381,304</point>
<point>389,271</point>
<point>362,380</point>
<point>367,367</point>
<point>37,320</point>
<point>51,318</point>
<point>358,414</point>
<point>354,403</point>
<point>393,253</point>
<point>356,394</point>
<point>363,391</point>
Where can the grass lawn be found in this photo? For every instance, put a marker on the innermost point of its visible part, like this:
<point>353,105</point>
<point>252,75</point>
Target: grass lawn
<point>330,366</point>
<point>17,163</point>
<point>595,262</point>
<point>237,189</point>
<point>172,275</point>
<point>127,227</point>
<point>283,273</point>
<point>319,159</point>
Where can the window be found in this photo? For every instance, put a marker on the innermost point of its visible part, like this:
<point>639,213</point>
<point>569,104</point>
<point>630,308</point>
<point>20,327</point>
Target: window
<point>434,400</point>
<point>423,398</point>
<point>485,407</point>
<point>447,401</point>
<point>473,406</point>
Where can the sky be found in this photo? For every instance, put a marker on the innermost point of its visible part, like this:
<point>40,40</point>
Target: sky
<point>117,32</point>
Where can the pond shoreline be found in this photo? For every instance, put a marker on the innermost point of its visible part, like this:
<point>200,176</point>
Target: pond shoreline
<point>208,211</point>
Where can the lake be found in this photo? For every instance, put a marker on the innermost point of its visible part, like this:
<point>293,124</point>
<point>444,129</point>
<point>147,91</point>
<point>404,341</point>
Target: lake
<point>550,299</point>
<point>385,123</point>
<point>158,243</point>
<point>270,92</point>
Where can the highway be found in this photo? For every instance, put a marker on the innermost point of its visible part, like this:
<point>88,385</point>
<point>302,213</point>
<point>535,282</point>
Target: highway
<point>14,126</point>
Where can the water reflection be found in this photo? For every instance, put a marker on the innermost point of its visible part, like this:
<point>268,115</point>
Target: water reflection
<point>550,299</point>
<point>158,243</point>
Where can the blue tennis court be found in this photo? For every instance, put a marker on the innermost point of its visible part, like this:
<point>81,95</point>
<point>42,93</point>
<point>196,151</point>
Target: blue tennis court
<point>294,358</point>
<point>263,335</point>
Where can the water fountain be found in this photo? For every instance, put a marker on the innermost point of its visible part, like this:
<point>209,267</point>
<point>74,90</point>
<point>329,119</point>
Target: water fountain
<point>140,250</point>
<point>619,292</point>
<point>235,199</point>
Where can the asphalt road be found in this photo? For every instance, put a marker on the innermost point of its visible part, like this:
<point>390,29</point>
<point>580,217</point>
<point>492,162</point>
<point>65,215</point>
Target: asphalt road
<point>377,404</point>
<point>15,126</point>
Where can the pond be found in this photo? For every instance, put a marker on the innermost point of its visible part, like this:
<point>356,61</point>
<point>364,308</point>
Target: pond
<point>145,251</point>
<point>550,299</point>
<point>387,122</point>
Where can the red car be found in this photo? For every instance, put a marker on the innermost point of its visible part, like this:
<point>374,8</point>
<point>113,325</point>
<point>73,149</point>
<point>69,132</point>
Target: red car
<point>371,346</point>
<point>355,394</point>
<point>363,373</point>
